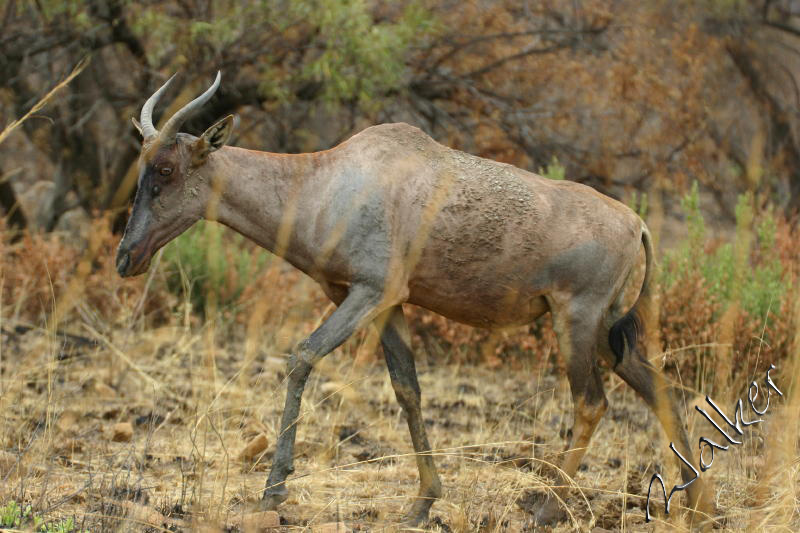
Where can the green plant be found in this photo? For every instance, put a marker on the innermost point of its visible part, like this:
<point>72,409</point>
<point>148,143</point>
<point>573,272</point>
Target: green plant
<point>639,204</point>
<point>763,291</point>
<point>734,272</point>
<point>12,515</point>
<point>63,526</point>
<point>360,59</point>
<point>553,170</point>
<point>211,266</point>
<point>348,55</point>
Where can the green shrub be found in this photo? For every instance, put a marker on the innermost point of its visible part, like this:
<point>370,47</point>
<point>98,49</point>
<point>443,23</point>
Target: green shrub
<point>638,202</point>
<point>211,265</point>
<point>348,55</point>
<point>554,170</point>
<point>763,291</point>
<point>360,58</point>
<point>734,272</point>
<point>12,515</point>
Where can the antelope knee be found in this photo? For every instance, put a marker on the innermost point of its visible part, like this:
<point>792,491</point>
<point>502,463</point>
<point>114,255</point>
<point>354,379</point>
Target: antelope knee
<point>407,396</point>
<point>298,368</point>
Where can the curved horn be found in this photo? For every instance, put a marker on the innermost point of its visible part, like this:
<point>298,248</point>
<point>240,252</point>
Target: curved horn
<point>146,118</point>
<point>180,116</point>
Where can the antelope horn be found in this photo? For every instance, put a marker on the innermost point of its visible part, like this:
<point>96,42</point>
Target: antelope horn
<point>180,116</point>
<point>146,118</point>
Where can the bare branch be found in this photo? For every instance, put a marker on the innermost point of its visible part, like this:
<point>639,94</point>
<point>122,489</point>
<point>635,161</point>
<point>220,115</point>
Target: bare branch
<point>782,27</point>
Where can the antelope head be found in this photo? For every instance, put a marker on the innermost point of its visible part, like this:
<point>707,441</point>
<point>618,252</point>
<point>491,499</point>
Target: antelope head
<point>173,188</point>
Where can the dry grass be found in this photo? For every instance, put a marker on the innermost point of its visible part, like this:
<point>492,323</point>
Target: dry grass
<point>194,407</point>
<point>43,101</point>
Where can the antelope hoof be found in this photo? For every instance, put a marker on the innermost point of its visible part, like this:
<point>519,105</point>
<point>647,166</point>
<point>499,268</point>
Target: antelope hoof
<point>413,521</point>
<point>549,513</point>
<point>418,514</point>
<point>273,497</point>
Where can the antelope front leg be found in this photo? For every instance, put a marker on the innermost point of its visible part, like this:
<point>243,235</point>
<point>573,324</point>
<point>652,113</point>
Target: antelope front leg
<point>359,308</point>
<point>400,360</point>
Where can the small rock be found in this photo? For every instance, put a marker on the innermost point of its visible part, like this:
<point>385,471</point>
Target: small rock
<point>257,445</point>
<point>514,527</point>
<point>331,387</point>
<point>256,522</point>
<point>150,419</point>
<point>465,388</point>
<point>331,527</point>
<point>67,421</point>
<point>104,391</point>
<point>69,447</point>
<point>143,515</point>
<point>122,432</point>
<point>335,388</point>
<point>307,448</point>
<point>206,527</point>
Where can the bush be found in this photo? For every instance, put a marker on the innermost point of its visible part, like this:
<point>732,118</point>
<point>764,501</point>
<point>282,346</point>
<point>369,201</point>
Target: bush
<point>50,282</point>
<point>554,170</point>
<point>733,293</point>
<point>210,266</point>
<point>12,515</point>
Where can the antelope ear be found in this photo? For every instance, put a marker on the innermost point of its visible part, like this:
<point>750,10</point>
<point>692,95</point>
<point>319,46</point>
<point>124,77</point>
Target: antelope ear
<point>137,126</point>
<point>213,139</point>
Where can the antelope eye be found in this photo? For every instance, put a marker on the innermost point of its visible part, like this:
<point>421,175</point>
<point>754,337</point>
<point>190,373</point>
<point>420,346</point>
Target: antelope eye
<point>156,190</point>
<point>165,171</point>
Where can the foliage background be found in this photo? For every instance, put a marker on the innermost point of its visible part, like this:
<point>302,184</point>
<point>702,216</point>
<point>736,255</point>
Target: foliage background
<point>627,95</point>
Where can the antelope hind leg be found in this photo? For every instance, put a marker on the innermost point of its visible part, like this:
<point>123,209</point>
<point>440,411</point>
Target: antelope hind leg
<point>651,385</point>
<point>577,334</point>
<point>396,344</point>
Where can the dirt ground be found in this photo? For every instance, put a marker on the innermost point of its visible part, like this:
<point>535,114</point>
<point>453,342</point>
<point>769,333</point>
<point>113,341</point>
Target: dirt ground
<point>193,410</point>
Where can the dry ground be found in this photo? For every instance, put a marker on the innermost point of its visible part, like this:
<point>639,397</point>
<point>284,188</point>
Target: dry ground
<point>194,409</point>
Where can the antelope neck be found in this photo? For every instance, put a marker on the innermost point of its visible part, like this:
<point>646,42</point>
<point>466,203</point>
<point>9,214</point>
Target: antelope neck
<point>268,197</point>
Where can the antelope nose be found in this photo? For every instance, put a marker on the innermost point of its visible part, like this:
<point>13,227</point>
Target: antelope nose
<point>123,262</point>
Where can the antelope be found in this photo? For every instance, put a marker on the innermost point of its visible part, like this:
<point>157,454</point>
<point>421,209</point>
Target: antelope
<point>391,217</point>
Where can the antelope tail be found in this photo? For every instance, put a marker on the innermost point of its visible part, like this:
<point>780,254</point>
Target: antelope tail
<point>629,329</point>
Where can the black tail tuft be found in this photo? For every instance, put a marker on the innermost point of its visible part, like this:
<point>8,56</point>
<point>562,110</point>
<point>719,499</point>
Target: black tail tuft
<point>626,330</point>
